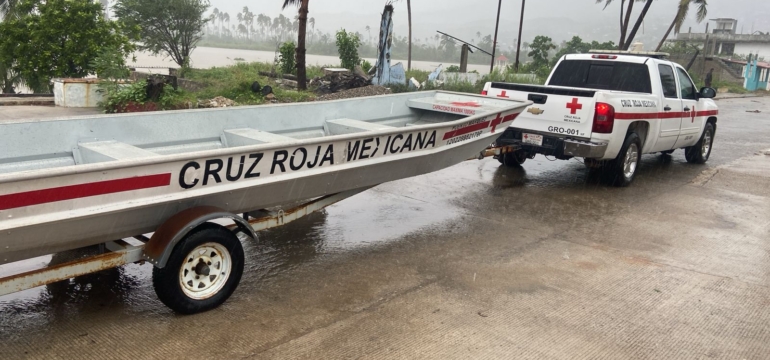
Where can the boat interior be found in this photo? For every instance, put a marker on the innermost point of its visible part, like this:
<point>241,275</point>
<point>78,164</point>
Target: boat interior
<point>41,144</point>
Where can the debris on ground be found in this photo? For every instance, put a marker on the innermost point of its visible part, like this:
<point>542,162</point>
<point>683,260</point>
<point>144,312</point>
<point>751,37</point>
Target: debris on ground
<point>217,102</point>
<point>753,111</point>
<point>371,90</point>
<point>336,81</point>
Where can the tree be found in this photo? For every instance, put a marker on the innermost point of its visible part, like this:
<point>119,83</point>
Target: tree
<point>9,79</point>
<point>57,39</point>
<point>172,27</point>
<point>681,14</point>
<point>347,45</point>
<point>626,38</point>
<point>539,50</point>
<point>577,46</point>
<point>301,32</point>
<point>448,44</point>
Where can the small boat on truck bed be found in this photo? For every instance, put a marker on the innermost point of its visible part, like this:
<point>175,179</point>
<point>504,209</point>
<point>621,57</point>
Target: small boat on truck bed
<point>75,182</point>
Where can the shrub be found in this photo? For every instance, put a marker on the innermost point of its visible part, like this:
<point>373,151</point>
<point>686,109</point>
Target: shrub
<point>347,45</point>
<point>366,66</point>
<point>287,60</point>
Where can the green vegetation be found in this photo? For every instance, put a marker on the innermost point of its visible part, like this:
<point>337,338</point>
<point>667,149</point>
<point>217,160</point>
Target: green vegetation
<point>57,39</point>
<point>287,58</point>
<point>347,46</point>
<point>539,50</point>
<point>133,98</point>
<point>171,27</point>
<point>234,82</point>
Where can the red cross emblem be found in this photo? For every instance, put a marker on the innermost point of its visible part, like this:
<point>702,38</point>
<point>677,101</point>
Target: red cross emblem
<point>496,121</point>
<point>503,95</point>
<point>692,114</point>
<point>574,106</point>
<point>468,104</point>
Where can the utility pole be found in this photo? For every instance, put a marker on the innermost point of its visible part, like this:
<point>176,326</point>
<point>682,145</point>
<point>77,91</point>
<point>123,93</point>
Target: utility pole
<point>518,46</point>
<point>494,42</point>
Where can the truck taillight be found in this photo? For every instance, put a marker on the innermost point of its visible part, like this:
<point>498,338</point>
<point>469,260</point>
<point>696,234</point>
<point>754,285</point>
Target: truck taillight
<point>604,118</point>
<point>483,92</point>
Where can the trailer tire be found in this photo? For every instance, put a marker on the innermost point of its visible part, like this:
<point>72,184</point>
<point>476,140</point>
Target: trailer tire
<point>700,152</point>
<point>622,171</point>
<point>204,269</point>
<point>513,159</point>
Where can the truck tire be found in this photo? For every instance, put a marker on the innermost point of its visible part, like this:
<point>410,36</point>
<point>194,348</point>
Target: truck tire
<point>204,269</point>
<point>622,171</point>
<point>700,152</point>
<point>513,159</point>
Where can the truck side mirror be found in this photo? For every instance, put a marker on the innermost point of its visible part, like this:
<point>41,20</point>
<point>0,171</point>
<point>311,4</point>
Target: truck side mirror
<point>707,93</point>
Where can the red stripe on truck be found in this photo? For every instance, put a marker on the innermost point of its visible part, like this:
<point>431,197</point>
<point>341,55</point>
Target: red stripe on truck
<point>663,115</point>
<point>45,196</point>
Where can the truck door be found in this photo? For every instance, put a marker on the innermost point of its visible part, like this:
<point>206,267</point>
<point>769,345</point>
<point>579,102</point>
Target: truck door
<point>690,129</point>
<point>671,117</point>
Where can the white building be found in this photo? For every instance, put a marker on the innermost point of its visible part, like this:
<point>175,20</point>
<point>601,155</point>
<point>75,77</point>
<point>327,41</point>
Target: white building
<point>724,41</point>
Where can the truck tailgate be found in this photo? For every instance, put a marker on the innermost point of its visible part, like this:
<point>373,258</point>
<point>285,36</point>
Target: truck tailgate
<point>559,111</point>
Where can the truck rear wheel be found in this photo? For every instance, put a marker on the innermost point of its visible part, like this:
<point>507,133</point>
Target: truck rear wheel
<point>204,269</point>
<point>700,152</point>
<point>622,170</point>
<point>513,159</point>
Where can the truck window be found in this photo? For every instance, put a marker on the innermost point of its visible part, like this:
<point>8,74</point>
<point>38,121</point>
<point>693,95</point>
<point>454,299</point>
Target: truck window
<point>604,75</point>
<point>686,87</point>
<point>668,81</point>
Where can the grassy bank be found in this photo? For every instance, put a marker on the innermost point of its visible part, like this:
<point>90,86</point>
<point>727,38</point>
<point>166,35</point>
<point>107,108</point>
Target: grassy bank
<point>234,82</point>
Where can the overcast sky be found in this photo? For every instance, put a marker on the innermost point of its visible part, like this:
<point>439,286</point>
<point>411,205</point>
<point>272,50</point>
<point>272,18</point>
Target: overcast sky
<point>560,18</point>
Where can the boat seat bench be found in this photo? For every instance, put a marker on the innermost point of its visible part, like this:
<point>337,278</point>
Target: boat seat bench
<point>350,126</point>
<point>249,136</point>
<point>109,150</point>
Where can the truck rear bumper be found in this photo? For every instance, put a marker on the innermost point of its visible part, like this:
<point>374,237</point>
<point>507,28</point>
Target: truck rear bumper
<point>553,146</point>
<point>584,149</point>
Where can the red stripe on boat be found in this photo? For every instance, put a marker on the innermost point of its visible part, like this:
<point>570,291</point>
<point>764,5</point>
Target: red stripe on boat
<point>45,196</point>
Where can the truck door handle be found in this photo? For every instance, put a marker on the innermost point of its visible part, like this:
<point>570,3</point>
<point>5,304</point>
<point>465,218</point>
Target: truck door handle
<point>686,109</point>
<point>667,108</point>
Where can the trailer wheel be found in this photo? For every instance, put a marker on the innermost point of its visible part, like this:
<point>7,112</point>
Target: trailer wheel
<point>513,159</point>
<point>204,269</point>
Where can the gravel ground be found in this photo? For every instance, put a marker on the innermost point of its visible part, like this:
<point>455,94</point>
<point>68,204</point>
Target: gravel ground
<point>370,90</point>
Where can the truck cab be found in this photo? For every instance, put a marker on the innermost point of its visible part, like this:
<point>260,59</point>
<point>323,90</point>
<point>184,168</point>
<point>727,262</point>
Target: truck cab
<point>609,108</point>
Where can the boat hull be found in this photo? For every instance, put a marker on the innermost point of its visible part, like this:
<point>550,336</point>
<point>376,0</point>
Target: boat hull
<point>68,209</point>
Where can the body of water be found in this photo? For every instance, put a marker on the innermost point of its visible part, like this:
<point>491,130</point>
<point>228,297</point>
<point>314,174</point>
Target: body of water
<point>206,57</point>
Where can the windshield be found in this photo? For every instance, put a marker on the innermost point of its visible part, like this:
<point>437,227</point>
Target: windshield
<point>604,75</point>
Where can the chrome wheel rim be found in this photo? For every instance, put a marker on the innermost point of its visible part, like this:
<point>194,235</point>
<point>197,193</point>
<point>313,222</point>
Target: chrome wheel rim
<point>629,163</point>
<point>706,146</point>
<point>205,271</point>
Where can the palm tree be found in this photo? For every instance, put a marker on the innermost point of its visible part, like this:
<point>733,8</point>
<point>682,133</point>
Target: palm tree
<point>303,10</point>
<point>311,21</point>
<point>215,17</point>
<point>681,14</point>
<point>625,19</point>
<point>227,20</point>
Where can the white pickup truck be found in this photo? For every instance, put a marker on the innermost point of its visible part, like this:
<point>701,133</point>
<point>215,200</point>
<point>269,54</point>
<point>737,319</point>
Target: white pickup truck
<point>610,108</point>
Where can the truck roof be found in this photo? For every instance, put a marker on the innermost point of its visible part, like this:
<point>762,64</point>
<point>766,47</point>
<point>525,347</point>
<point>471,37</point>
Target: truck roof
<point>639,59</point>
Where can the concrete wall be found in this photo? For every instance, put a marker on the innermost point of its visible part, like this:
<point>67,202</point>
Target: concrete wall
<point>753,48</point>
<point>76,92</point>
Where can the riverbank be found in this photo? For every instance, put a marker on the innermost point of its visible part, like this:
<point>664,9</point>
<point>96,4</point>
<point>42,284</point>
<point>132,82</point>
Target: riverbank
<point>208,57</point>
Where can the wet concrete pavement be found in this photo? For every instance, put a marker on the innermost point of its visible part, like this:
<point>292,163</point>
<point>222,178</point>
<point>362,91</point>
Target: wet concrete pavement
<point>475,261</point>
